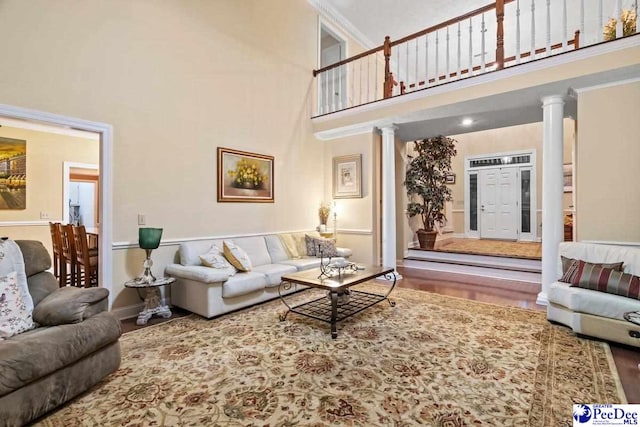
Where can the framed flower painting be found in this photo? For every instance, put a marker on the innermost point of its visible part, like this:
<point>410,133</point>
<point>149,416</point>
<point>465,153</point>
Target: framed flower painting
<point>244,177</point>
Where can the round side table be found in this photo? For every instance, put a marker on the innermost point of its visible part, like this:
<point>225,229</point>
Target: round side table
<point>152,301</point>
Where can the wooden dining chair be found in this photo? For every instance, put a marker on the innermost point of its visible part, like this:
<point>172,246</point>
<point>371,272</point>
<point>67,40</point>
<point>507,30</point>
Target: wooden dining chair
<point>60,262</point>
<point>87,260</point>
<point>69,250</point>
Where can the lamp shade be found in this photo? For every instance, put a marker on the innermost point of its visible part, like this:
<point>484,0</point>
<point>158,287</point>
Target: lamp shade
<point>149,238</point>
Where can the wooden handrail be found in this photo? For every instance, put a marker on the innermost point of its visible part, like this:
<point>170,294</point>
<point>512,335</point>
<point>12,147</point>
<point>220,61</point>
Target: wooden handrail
<point>346,61</point>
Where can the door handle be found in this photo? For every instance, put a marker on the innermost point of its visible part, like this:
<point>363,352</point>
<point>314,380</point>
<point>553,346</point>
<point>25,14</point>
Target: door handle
<point>482,208</point>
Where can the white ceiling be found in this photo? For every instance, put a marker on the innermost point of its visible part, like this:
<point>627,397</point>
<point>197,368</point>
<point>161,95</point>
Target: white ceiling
<point>376,19</point>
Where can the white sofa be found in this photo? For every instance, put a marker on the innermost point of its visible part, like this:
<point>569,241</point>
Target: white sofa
<point>595,313</point>
<point>210,292</point>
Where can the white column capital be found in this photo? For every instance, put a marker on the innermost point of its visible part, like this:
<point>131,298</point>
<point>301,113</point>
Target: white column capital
<point>388,130</point>
<point>552,99</point>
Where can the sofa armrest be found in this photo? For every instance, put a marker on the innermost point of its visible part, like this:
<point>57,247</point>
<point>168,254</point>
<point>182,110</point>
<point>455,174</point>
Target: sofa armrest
<point>70,305</point>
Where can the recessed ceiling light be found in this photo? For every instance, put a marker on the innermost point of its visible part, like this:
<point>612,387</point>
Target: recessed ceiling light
<point>467,122</point>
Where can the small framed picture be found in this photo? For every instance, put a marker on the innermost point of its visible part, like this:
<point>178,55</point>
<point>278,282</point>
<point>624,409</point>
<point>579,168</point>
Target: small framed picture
<point>347,176</point>
<point>244,177</point>
<point>450,178</point>
<point>567,171</point>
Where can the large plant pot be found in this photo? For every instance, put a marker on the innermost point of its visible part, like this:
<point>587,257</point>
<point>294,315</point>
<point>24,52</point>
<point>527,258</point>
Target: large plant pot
<point>427,239</point>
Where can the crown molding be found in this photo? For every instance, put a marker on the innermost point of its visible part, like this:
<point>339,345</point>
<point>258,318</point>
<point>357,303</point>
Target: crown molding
<point>329,12</point>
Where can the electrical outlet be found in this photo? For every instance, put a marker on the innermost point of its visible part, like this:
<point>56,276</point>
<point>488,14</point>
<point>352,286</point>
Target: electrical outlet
<point>142,220</point>
<point>44,215</point>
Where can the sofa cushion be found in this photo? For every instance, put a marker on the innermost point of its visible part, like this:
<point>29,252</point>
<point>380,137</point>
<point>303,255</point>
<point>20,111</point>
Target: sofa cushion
<point>15,317</point>
<point>274,272</point>
<point>290,246</point>
<point>214,258</point>
<point>256,249</point>
<point>307,263</point>
<point>190,252</point>
<point>571,268</point>
<point>591,302</point>
<point>198,273</point>
<point>243,283</point>
<point>597,278</point>
<point>318,245</point>
<point>236,256</point>
<point>277,250</point>
<point>31,355</point>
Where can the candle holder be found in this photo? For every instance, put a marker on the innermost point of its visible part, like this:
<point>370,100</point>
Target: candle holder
<point>148,239</point>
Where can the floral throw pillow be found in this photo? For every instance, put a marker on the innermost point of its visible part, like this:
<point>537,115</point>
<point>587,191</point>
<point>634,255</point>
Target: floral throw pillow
<point>15,315</point>
<point>317,245</point>
<point>236,256</point>
<point>214,258</point>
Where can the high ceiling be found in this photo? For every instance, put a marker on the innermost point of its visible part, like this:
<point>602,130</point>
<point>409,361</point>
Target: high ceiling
<point>398,18</point>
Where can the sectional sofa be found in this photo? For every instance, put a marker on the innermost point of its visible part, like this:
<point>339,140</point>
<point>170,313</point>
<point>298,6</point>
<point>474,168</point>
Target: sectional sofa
<point>211,292</point>
<point>594,313</point>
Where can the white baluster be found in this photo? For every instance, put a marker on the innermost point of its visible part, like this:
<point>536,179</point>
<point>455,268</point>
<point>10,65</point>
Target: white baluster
<point>564,25</point>
<point>482,58</point>
<point>352,97</point>
<point>340,107</point>
<point>361,85</point>
<point>397,78</point>
<point>600,23</point>
<point>619,29</point>
<point>447,56</point>
<point>548,46</point>
<point>326,90</point>
<point>375,84</point>
<point>518,32</point>
<point>416,75</point>
<point>406,73</point>
<point>333,89</point>
<point>436,76</point>
<point>533,30</point>
<point>368,78</point>
<point>426,60</point>
<point>470,48</point>
<point>459,74</point>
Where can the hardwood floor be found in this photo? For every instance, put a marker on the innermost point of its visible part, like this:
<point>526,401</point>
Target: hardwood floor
<point>627,359</point>
<point>496,291</point>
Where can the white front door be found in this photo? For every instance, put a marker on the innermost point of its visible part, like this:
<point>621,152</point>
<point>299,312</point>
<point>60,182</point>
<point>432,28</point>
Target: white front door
<point>499,203</point>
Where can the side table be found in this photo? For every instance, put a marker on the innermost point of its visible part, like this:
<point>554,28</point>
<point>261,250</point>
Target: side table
<point>152,301</point>
<point>633,317</point>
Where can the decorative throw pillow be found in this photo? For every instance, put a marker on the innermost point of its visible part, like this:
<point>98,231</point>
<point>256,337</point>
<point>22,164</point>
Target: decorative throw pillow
<point>15,315</point>
<point>236,256</point>
<point>214,258</point>
<point>316,245</point>
<point>571,268</point>
<point>608,280</point>
<point>289,245</point>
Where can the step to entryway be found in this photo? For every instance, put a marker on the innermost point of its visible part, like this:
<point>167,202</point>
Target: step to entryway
<point>517,269</point>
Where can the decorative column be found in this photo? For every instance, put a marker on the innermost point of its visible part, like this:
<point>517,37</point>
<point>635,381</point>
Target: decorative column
<point>552,189</point>
<point>389,198</point>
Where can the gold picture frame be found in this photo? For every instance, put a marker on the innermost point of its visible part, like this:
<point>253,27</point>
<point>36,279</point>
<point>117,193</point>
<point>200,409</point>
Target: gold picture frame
<point>244,176</point>
<point>347,176</point>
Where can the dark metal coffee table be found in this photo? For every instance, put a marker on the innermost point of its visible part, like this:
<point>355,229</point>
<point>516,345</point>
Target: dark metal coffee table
<point>341,301</point>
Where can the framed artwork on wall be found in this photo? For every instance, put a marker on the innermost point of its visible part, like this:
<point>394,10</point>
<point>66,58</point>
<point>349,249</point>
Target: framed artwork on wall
<point>347,176</point>
<point>450,178</point>
<point>244,177</point>
<point>13,173</point>
<point>567,171</point>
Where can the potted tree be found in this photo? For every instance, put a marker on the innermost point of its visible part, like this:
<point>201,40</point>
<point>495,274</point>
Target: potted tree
<point>426,184</point>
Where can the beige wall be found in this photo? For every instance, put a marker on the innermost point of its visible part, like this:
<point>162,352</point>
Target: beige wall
<point>46,154</point>
<point>176,80</point>
<point>608,150</point>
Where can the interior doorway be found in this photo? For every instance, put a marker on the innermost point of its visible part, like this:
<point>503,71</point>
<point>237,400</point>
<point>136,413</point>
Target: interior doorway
<point>332,85</point>
<point>81,195</point>
<point>500,200</point>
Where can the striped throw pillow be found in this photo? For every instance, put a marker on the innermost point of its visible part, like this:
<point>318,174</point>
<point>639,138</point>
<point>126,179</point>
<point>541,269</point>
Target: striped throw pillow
<point>571,268</point>
<point>608,280</point>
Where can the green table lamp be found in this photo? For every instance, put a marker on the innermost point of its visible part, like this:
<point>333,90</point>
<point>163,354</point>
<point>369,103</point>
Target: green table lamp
<point>148,239</point>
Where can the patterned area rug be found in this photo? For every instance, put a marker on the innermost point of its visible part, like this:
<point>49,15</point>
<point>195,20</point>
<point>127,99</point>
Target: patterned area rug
<point>430,360</point>
<point>529,250</point>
